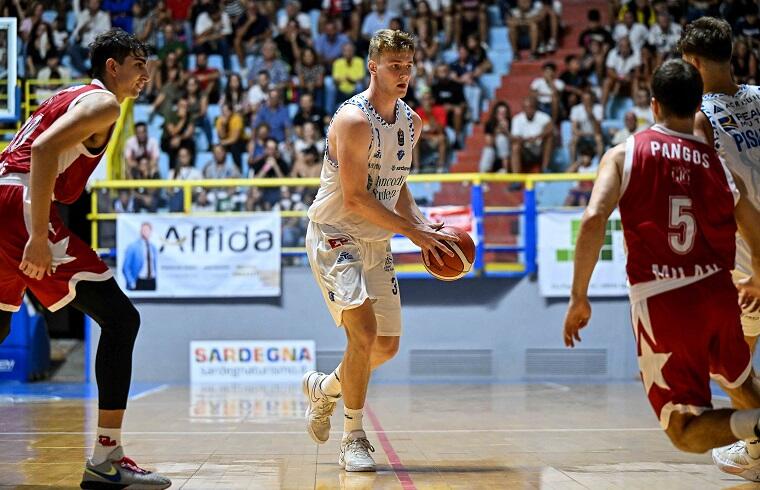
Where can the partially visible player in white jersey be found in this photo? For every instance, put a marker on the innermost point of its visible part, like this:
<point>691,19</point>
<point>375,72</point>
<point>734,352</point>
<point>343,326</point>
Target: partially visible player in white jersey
<point>363,200</point>
<point>730,120</point>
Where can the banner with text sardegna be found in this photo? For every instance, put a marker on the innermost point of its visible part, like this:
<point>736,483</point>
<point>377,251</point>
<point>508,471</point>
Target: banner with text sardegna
<point>557,233</point>
<point>196,257</point>
<point>245,361</point>
<point>458,216</point>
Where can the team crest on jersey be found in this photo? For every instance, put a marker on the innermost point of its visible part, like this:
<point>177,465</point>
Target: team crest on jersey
<point>728,122</point>
<point>400,136</point>
<point>400,154</point>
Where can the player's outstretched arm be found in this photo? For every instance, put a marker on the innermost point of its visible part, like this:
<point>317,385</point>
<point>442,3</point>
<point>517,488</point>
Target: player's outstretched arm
<point>747,218</point>
<point>94,114</point>
<point>604,199</point>
<point>353,137</point>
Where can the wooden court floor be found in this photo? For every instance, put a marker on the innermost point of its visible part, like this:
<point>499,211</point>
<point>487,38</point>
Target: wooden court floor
<point>480,436</point>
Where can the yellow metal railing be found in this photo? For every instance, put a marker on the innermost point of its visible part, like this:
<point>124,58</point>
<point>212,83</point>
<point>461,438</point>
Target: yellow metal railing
<point>475,180</point>
<point>31,98</point>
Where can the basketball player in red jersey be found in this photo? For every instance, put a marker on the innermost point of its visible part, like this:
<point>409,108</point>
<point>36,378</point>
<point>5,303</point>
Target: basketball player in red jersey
<point>50,159</point>
<point>680,209</point>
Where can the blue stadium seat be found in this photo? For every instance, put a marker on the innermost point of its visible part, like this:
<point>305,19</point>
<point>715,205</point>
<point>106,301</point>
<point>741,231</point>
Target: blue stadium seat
<point>490,82</point>
<point>501,60</point>
<point>566,132</point>
<point>191,62</point>
<point>292,110</point>
<point>449,56</point>
<point>494,16</point>
<point>213,112</point>
<point>49,16</point>
<point>216,61</point>
<point>618,106</point>
<point>202,158</point>
<point>498,38</point>
<point>141,112</point>
<point>163,165</point>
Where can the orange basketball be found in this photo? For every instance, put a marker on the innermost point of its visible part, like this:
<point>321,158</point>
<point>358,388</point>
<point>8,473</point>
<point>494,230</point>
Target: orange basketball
<point>460,264</point>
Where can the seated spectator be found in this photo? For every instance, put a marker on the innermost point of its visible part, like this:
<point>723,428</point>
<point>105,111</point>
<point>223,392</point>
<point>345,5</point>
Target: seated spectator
<point>308,163</point>
<point>309,139</point>
<point>231,131</point>
<point>279,72</point>
<point>581,193</point>
<point>329,44</point>
<point>91,22</point>
<point>309,113</point>
<point>427,39</point>
<point>258,92</point>
<point>293,12</point>
<point>185,170</point>
<point>348,72</point>
<point>254,201</point>
<point>642,12</point>
<point>744,63</point>
<point>52,71</point>
<point>171,44</point>
<point>145,199</point>
<point>204,201</point>
<point>471,18</point>
<point>430,151</point>
<point>311,76</point>
<point>595,30</point>
<point>477,54</point>
<point>257,143</point>
<point>38,49</point>
<point>463,70</point>
<point>169,94</point>
<point>549,24</point>
<point>379,18</point>
<point>345,13</point>
<point>637,33</point>
<point>664,36</point>
<point>269,165</point>
<point>594,62</point>
<point>60,34</point>
<point>211,31</point>
<point>290,42</point>
<point>523,26</point>
<point>748,26</point>
<point>547,89</point>
<point>450,94</point>
<point>219,168</point>
<point>197,106</point>
<point>207,77</point>
<point>496,150</point>
<point>622,66</point>
<point>629,128</point>
<point>178,132</point>
<point>586,119</point>
<point>575,81</point>
<point>144,26</point>
<point>124,202</point>
<point>642,109</point>
<point>532,138</point>
<point>235,94</point>
<point>275,114</point>
<point>251,29</point>
<point>140,145</point>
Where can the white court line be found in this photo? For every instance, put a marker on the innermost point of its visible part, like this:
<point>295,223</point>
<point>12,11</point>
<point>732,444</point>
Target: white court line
<point>149,392</point>
<point>286,432</point>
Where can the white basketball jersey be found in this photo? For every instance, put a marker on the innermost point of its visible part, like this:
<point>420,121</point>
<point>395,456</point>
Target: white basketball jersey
<point>389,160</point>
<point>736,132</point>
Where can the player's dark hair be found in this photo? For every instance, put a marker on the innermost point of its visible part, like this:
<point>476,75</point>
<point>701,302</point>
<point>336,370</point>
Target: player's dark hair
<point>709,38</point>
<point>677,87</point>
<point>142,124</point>
<point>116,44</point>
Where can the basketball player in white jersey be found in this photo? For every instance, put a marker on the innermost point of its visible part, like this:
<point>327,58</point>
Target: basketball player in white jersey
<point>730,120</point>
<point>363,200</point>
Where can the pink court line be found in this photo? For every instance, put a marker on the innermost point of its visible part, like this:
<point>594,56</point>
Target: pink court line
<point>398,467</point>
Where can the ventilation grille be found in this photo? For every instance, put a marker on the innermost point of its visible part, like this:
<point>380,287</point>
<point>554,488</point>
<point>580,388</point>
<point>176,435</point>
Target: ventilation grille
<point>451,362</point>
<point>328,360</point>
<point>565,362</point>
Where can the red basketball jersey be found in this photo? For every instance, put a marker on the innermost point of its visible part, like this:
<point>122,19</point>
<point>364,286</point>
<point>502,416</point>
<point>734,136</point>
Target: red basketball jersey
<point>75,165</point>
<point>677,208</point>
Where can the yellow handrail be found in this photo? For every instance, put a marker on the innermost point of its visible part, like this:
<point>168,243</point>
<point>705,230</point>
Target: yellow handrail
<point>29,105</point>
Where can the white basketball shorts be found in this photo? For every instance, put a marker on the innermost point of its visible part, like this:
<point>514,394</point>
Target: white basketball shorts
<point>750,319</point>
<point>350,271</point>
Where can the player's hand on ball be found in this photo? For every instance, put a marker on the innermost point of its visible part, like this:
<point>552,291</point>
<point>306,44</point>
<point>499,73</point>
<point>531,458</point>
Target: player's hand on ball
<point>577,317</point>
<point>749,293</point>
<point>431,241</point>
<point>37,259</point>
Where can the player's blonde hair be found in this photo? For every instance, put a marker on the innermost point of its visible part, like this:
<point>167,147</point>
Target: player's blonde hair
<point>390,41</point>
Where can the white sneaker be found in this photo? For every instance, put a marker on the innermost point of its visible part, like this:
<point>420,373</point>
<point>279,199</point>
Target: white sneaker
<point>354,452</point>
<point>320,407</point>
<point>735,460</point>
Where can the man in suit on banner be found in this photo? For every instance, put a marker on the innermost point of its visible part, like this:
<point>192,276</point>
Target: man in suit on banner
<point>140,262</point>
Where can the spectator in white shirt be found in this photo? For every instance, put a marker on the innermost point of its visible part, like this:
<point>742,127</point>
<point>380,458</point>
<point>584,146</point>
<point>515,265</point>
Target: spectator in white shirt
<point>586,119</point>
<point>138,146</point>
<point>642,109</point>
<point>212,30</point>
<point>622,67</point>
<point>378,19</point>
<point>532,137</point>
<point>637,33</point>
<point>258,92</point>
<point>90,23</point>
<point>628,129</point>
<point>52,71</point>
<point>185,170</point>
<point>664,36</point>
<point>547,89</point>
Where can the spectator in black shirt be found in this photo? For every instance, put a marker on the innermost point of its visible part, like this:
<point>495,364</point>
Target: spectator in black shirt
<point>450,93</point>
<point>749,26</point>
<point>308,112</point>
<point>290,42</point>
<point>251,29</point>
<point>575,81</point>
<point>595,29</point>
<point>269,165</point>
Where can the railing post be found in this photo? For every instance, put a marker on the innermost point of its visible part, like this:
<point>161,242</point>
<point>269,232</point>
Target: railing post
<point>530,240</point>
<point>478,210</point>
<point>187,199</point>
<point>94,239</point>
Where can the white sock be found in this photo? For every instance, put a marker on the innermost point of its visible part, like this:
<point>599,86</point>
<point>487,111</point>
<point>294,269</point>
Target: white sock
<point>106,440</point>
<point>744,423</point>
<point>352,420</point>
<point>330,385</point>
